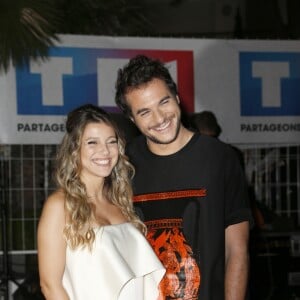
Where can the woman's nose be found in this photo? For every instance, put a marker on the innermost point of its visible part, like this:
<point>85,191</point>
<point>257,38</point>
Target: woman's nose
<point>104,149</point>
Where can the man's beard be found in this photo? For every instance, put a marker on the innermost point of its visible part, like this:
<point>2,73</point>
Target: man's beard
<point>155,140</point>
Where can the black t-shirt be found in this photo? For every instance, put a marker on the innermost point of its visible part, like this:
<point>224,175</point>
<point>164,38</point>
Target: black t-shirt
<point>187,200</point>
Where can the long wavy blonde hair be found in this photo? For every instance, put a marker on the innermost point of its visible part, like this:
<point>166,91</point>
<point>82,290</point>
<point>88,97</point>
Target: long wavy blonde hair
<point>117,186</point>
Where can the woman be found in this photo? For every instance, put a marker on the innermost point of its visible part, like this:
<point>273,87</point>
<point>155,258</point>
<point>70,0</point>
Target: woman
<point>90,242</point>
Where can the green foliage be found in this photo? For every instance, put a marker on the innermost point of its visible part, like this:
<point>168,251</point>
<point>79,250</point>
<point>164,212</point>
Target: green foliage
<point>27,30</point>
<point>29,27</point>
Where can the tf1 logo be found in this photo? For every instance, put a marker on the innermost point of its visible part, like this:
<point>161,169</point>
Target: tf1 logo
<point>270,83</point>
<point>75,76</point>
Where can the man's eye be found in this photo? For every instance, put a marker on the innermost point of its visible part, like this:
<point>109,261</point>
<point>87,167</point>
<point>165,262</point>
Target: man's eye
<point>145,113</point>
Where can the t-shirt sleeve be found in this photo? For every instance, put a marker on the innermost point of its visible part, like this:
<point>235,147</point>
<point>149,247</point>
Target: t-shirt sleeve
<point>237,208</point>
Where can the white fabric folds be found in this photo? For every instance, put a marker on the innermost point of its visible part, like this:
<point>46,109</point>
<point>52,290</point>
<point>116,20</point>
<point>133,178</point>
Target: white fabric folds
<point>121,266</point>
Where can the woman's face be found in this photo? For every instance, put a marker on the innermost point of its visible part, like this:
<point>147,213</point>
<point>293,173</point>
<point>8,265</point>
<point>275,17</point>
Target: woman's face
<point>99,150</point>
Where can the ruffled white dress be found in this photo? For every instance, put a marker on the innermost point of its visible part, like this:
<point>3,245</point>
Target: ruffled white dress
<point>121,266</point>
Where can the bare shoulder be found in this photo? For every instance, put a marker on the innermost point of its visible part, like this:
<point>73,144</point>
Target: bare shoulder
<point>51,224</point>
<point>54,204</point>
<point>57,199</point>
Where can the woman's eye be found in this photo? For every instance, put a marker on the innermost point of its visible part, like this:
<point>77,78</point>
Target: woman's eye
<point>112,142</point>
<point>92,142</point>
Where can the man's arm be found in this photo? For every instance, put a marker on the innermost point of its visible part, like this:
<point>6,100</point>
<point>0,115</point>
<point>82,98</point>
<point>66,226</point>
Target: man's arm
<point>236,261</point>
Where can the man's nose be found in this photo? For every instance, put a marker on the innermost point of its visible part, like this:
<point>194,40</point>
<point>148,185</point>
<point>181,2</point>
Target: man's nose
<point>159,116</point>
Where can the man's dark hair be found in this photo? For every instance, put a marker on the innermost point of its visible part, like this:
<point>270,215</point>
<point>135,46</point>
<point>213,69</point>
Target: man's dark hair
<point>139,71</point>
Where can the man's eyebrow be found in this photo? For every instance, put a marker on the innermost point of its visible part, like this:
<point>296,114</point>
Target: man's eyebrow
<point>165,98</point>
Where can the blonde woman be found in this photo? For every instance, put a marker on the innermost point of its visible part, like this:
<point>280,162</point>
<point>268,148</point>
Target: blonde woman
<point>91,244</point>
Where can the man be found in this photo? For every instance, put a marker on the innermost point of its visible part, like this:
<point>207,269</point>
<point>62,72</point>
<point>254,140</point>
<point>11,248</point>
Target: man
<point>207,124</point>
<point>188,189</point>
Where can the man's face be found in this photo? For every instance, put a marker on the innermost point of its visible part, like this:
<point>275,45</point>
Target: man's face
<point>156,112</point>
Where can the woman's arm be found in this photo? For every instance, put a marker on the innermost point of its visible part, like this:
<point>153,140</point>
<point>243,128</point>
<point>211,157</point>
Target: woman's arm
<point>52,248</point>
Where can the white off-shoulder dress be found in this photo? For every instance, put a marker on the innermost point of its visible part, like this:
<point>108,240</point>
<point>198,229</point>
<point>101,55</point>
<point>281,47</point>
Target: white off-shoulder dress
<point>121,266</point>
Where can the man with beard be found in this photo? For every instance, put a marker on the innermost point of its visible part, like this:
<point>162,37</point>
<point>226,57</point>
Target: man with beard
<point>189,190</point>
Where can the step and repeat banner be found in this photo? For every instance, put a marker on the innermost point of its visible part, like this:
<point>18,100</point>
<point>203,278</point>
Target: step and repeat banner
<point>252,86</point>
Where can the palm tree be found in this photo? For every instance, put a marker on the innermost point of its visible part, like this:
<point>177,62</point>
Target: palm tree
<point>27,29</point>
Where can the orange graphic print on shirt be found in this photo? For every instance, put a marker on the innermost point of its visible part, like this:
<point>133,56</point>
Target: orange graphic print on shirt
<point>182,278</point>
